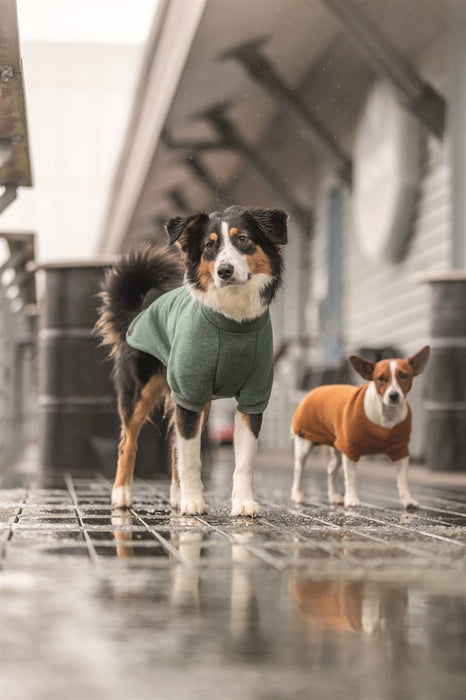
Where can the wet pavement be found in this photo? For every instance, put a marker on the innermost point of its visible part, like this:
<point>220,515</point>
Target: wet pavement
<point>316,602</point>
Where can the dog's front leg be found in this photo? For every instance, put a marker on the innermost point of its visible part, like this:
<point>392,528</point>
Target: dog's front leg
<point>188,446</point>
<point>247,428</point>
<point>351,493</point>
<point>402,482</point>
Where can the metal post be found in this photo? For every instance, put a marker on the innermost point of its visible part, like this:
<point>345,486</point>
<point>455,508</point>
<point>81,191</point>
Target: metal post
<point>332,328</point>
<point>261,70</point>
<point>457,130</point>
<point>418,96</point>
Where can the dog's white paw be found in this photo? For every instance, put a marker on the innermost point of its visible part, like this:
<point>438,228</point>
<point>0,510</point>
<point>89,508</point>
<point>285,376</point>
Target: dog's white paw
<point>336,499</point>
<point>352,502</point>
<point>297,496</point>
<point>248,508</point>
<point>410,502</point>
<point>122,496</point>
<point>193,506</point>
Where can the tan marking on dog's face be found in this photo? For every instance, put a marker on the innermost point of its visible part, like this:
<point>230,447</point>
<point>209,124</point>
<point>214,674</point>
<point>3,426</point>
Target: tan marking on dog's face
<point>259,262</point>
<point>404,375</point>
<point>206,273</point>
<point>384,377</point>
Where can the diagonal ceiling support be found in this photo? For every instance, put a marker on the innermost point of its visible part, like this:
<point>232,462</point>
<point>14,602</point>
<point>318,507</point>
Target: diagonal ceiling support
<point>419,97</point>
<point>194,163</point>
<point>263,72</point>
<point>8,196</point>
<point>231,138</point>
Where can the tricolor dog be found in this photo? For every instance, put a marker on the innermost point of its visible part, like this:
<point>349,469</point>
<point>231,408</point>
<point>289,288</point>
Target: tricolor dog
<point>371,419</point>
<point>187,344</point>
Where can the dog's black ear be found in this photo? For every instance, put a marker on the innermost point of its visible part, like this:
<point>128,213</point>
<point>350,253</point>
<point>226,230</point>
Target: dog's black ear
<point>179,227</point>
<point>272,223</point>
<point>365,368</point>
<point>419,361</point>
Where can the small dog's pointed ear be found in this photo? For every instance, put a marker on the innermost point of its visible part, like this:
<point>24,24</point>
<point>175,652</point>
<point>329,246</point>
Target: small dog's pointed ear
<point>365,368</point>
<point>179,227</point>
<point>272,223</point>
<point>419,360</point>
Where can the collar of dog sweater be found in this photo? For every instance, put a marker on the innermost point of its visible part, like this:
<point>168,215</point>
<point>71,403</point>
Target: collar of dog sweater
<point>231,326</point>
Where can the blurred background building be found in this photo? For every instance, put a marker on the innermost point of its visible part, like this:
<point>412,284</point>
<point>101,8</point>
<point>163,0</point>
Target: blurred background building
<point>347,113</point>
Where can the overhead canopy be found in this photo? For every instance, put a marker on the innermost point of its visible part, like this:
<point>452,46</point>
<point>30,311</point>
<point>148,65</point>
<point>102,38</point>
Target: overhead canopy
<point>207,111</point>
<point>15,167</point>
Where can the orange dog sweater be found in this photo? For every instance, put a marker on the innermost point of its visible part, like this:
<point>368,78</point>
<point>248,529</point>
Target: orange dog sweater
<point>334,415</point>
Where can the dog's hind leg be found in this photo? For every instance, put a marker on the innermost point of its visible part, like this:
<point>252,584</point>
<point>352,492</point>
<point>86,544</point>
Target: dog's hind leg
<point>402,482</point>
<point>302,449</point>
<point>247,428</point>
<point>175,482</point>
<point>333,466</point>
<point>188,461</point>
<point>350,474</point>
<point>122,493</point>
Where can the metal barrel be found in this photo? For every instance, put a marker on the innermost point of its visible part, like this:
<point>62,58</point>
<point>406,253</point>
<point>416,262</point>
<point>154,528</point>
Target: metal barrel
<point>446,375</point>
<point>79,424</point>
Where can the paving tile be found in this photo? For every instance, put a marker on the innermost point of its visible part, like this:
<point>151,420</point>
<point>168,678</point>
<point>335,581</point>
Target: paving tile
<point>300,602</point>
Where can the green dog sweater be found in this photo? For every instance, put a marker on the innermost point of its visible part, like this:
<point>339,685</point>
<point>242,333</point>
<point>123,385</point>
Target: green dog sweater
<point>207,355</point>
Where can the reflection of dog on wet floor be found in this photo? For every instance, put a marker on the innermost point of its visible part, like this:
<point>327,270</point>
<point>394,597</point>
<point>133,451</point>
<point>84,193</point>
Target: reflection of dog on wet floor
<point>371,419</point>
<point>185,592</point>
<point>349,606</point>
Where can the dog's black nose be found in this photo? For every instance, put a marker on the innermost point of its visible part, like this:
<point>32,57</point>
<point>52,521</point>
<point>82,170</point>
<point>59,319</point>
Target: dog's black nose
<point>225,271</point>
<point>393,396</point>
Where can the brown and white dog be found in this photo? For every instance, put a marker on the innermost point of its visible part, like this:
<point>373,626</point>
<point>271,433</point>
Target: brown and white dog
<point>232,264</point>
<point>371,419</point>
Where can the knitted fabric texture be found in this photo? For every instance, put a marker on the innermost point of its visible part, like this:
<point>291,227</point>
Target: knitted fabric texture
<point>207,355</point>
<point>334,415</point>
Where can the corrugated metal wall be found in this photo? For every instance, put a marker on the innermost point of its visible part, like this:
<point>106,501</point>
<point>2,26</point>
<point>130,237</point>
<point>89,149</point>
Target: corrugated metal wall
<point>384,304</point>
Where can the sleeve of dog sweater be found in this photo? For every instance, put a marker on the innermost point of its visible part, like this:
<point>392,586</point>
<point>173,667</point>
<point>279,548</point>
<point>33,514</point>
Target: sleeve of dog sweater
<point>254,395</point>
<point>190,373</point>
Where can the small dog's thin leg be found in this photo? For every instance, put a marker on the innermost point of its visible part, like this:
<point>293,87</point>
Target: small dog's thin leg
<point>188,448</point>
<point>302,449</point>
<point>402,482</point>
<point>247,428</point>
<point>332,471</point>
<point>122,493</point>
<point>351,494</point>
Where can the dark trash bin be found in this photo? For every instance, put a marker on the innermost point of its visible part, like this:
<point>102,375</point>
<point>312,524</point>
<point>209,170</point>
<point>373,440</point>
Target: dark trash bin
<point>446,374</point>
<point>79,424</point>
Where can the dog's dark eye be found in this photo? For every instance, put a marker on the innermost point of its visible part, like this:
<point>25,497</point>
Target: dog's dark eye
<point>402,375</point>
<point>381,379</point>
<point>242,238</point>
<point>210,244</point>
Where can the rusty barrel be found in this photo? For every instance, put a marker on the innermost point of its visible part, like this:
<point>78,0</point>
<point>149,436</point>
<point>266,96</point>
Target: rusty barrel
<point>79,424</point>
<point>446,374</point>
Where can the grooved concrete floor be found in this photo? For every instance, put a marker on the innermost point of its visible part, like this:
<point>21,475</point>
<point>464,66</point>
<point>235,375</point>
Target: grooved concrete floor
<point>316,602</point>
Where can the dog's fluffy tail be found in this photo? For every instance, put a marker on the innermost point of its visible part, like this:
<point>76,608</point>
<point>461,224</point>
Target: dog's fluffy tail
<point>126,288</point>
